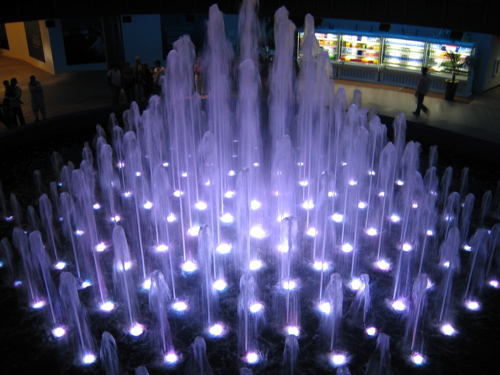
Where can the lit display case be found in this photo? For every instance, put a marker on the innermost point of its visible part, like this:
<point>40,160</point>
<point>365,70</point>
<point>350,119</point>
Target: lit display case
<point>360,49</point>
<point>403,54</point>
<point>437,58</point>
<point>327,41</point>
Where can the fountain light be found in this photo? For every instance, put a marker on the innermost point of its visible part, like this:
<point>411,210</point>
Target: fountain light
<point>178,193</point>
<point>258,232</point>
<point>58,332</point>
<point>282,217</point>
<point>362,205</point>
<point>289,284</point>
<point>88,359</point>
<point>148,205</point>
<point>312,232</point>
<point>255,265</point>
<point>227,218</point>
<point>255,164</point>
<point>494,283</point>
<point>161,248</point>
<point>338,218</point>
<point>201,206</point>
<point>472,305</point>
<point>171,358</point>
<point>224,248</point>
<point>229,194</point>
<point>332,194</point>
<point>395,218</point>
<point>180,306</point>
<point>171,218</point>
<point>124,266</point>
<point>448,330</point>
<point>189,266</point>
<point>216,330</point>
<point>371,231</point>
<point>292,330</point>
<point>352,182</point>
<point>256,307</point>
<point>18,283</point>
<point>38,304</point>
<point>85,284</point>
<point>338,359</point>
<point>347,247</point>
<point>467,247</point>
<point>303,183</point>
<point>446,264</point>
<point>116,219</point>
<point>219,285</point>
<point>127,194</point>
<point>371,173</point>
<point>166,164</point>
<point>9,218</point>
<point>255,204</point>
<point>308,204</point>
<point>325,307</point>
<point>60,265</point>
<point>252,358</point>
<point>283,248</point>
<point>400,182</point>
<point>231,173</point>
<point>356,284</point>
<point>107,306</point>
<point>79,232</point>
<point>414,205</point>
<point>399,305</point>
<point>136,329</point>
<point>184,174</point>
<point>371,331</point>
<point>100,247</point>
<point>193,231</point>
<point>146,284</point>
<point>417,359</point>
<point>383,265</point>
<point>406,247</point>
<point>429,232</point>
<point>96,206</point>
<point>120,165</point>
<point>321,266</point>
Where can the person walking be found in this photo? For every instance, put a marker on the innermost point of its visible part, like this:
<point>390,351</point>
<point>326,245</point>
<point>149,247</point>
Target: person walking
<point>422,90</point>
<point>15,102</point>
<point>115,83</point>
<point>37,98</point>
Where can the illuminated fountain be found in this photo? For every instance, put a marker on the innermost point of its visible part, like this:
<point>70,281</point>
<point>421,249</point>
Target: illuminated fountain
<point>216,240</point>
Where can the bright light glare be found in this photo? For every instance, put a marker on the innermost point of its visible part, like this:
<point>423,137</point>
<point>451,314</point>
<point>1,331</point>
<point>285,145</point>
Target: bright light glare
<point>171,358</point>
<point>224,248</point>
<point>124,266</point>
<point>448,330</point>
<point>258,232</point>
<point>231,173</point>
<point>180,306</point>
<point>371,231</point>
<point>417,358</point>
<point>227,218</point>
<point>107,306</point>
<point>293,330</point>
<point>58,332</point>
<point>362,205</point>
<point>283,248</point>
<point>406,247</point>
<point>347,248</point>
<point>429,232</point>
<point>494,283</point>
<point>256,307</point>
<point>116,218</point>
<point>201,206</point>
<point>289,285</point>
<point>88,359</point>
<point>60,265</point>
<point>38,304</point>
<point>79,232</point>
<point>255,204</point>
<point>146,285</point>
<point>96,206</point>
<point>312,232</point>
<point>395,218</point>
<point>85,284</point>
<point>356,284</point>
<point>193,231</point>
<point>171,218</point>
<point>178,193</point>
<point>100,247</point>
<point>308,205</point>
<point>148,205</point>
<point>161,248</point>
<point>189,266</point>
<point>399,305</point>
<point>252,358</point>
<point>321,266</point>
<point>400,182</point>
<point>230,194</point>
<point>473,305</point>
<point>136,329</point>
<point>383,265</point>
<point>353,182</point>
<point>219,285</point>
<point>467,248</point>
<point>216,330</point>
<point>303,183</point>
<point>338,218</point>
<point>127,194</point>
<point>371,331</point>
<point>338,359</point>
<point>255,265</point>
<point>325,307</point>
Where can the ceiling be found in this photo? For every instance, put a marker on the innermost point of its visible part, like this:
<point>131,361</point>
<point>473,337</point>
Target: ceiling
<point>462,15</point>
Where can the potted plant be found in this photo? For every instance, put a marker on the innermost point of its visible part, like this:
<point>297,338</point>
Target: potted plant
<point>456,65</point>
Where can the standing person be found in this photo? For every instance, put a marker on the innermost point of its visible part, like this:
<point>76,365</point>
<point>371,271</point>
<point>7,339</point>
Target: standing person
<point>37,98</point>
<point>147,78</point>
<point>157,74</point>
<point>6,108</point>
<point>115,83</point>
<point>15,102</point>
<point>139,79</point>
<point>422,90</point>
<point>128,82</point>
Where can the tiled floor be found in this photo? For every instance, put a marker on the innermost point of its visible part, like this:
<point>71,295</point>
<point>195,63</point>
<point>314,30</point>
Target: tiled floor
<point>66,93</point>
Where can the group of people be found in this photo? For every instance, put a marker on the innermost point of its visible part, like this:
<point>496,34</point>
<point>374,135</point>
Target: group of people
<point>11,113</point>
<point>138,82</point>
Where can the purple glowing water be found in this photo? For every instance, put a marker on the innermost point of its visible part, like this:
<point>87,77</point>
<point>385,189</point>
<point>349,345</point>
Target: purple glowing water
<point>196,220</point>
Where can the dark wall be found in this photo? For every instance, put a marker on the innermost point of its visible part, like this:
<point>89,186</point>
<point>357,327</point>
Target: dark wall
<point>463,15</point>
